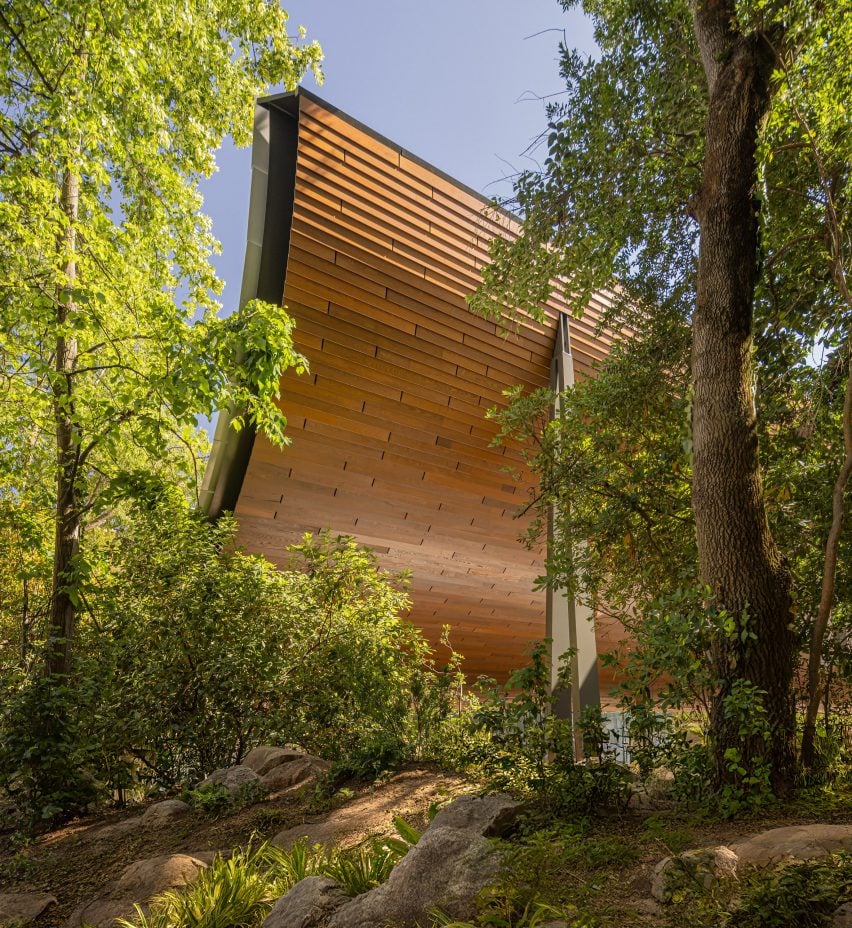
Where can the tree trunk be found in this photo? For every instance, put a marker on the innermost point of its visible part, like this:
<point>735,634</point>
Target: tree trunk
<point>63,611</point>
<point>738,557</point>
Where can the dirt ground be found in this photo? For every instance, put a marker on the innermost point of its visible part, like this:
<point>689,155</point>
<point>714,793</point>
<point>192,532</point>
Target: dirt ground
<point>75,861</point>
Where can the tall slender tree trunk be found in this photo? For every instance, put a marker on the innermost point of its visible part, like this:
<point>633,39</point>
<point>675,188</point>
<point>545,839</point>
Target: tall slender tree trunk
<point>738,557</point>
<point>816,681</point>
<point>63,611</point>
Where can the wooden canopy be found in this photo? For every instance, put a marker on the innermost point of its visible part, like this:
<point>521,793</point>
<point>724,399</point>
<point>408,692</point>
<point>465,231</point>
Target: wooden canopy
<point>374,253</point>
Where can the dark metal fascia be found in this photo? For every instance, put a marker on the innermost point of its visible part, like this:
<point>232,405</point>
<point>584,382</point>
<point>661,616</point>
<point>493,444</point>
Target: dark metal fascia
<point>273,187</point>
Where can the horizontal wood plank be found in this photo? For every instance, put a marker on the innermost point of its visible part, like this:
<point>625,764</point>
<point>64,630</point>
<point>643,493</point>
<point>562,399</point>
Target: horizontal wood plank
<point>389,437</point>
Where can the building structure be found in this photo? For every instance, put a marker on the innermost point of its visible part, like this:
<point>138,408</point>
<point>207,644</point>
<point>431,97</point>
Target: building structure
<point>373,252</point>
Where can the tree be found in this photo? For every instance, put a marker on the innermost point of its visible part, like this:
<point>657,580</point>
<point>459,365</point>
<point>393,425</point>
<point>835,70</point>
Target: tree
<point>110,341</point>
<point>677,144</point>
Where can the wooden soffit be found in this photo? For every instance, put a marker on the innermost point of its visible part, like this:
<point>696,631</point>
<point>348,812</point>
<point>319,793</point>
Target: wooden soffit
<point>390,442</point>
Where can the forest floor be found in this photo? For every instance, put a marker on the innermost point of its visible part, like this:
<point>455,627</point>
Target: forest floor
<point>601,866</point>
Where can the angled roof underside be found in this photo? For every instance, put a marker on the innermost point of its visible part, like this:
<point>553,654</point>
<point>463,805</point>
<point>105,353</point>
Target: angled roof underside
<point>376,252</point>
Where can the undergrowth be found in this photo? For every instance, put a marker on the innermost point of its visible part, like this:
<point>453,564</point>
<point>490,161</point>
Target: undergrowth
<point>238,892</point>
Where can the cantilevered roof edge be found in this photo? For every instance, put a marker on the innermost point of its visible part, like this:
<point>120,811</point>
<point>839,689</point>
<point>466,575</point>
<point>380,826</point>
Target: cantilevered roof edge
<point>272,192</point>
<point>280,101</point>
<point>271,200</point>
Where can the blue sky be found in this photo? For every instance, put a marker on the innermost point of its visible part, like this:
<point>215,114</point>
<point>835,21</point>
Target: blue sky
<point>454,81</point>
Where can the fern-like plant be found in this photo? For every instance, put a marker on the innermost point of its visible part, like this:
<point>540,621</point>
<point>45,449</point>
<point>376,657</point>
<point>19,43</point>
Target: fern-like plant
<point>233,893</point>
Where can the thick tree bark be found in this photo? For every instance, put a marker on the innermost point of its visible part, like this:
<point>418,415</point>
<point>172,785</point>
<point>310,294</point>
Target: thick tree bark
<point>63,612</point>
<point>738,557</point>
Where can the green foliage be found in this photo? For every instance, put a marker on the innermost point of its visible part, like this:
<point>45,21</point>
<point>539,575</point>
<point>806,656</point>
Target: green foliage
<point>195,652</point>
<point>111,345</point>
<point>609,210</point>
<point>87,92</point>
<point>802,894</point>
<point>673,839</point>
<point>667,686</point>
<point>132,106</point>
<point>233,893</point>
<point>748,785</point>
<point>549,874</point>
<point>833,750</point>
<point>214,799</point>
<point>363,868</point>
<point>239,891</point>
<point>518,743</point>
<point>499,910</point>
<point>45,757</point>
<point>218,651</point>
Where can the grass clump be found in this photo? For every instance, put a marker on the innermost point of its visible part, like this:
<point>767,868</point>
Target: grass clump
<point>233,893</point>
<point>239,892</point>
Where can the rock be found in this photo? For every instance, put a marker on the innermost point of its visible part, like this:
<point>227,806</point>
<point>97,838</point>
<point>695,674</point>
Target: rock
<point>234,779</point>
<point>645,801</point>
<point>139,883</point>
<point>100,913</point>
<point>207,857</point>
<point>146,878</point>
<point>296,772</point>
<point>309,904</point>
<point>163,813</point>
<point>660,783</point>
<point>450,865</point>
<point>488,816</point>
<point>23,908</point>
<point>801,842</point>
<point>705,866</point>
<point>447,869</point>
<point>264,759</point>
<point>843,916</point>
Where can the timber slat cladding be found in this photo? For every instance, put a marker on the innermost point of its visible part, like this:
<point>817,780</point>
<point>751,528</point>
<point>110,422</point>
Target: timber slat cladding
<point>390,442</point>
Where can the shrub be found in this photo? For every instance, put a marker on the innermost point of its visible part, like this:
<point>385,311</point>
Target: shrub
<point>801,894</point>
<point>213,651</point>
<point>518,743</point>
<point>45,752</point>
<point>191,652</point>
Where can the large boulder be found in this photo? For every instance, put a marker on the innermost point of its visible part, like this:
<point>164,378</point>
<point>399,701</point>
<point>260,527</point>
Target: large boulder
<point>488,816</point>
<point>266,758</point>
<point>703,867</point>
<point>800,842</point>
<point>236,780</point>
<point>164,813</point>
<point>296,772</point>
<point>309,904</point>
<point>447,869</point>
<point>23,908</point>
<point>138,884</point>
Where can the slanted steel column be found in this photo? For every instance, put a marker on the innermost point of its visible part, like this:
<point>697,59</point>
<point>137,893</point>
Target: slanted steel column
<point>570,623</point>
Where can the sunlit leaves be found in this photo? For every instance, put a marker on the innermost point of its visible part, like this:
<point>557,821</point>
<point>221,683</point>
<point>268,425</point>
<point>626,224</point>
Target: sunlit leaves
<point>134,100</point>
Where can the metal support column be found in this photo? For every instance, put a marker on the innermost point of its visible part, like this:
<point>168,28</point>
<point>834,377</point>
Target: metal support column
<point>570,623</point>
